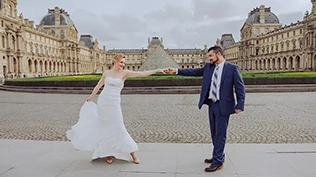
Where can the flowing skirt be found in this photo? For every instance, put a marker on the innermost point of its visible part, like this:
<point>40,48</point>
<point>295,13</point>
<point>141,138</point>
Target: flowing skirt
<point>101,129</point>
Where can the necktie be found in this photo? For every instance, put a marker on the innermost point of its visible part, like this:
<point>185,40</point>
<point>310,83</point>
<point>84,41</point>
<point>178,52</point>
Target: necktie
<point>215,84</point>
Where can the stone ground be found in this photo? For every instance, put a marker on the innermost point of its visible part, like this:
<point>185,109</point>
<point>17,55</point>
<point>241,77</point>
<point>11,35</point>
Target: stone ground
<point>27,158</point>
<point>268,118</point>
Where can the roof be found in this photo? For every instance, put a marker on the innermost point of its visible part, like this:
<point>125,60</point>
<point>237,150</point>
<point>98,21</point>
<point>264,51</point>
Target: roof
<point>183,51</point>
<point>49,18</point>
<point>127,51</point>
<point>155,41</point>
<point>254,16</point>
<point>227,40</point>
<point>87,40</point>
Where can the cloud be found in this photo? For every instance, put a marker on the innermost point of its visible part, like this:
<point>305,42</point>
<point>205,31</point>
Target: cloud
<point>188,24</point>
<point>171,14</point>
<point>288,18</point>
<point>124,23</point>
<point>95,27</point>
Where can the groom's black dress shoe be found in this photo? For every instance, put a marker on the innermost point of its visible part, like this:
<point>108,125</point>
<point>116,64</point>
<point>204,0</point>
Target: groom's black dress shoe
<point>211,160</point>
<point>214,167</point>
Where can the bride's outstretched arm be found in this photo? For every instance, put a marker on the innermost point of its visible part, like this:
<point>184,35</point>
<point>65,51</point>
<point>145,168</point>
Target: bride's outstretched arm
<point>97,88</point>
<point>142,73</point>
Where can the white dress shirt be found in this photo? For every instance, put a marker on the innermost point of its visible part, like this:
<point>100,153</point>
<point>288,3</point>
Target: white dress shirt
<point>219,77</point>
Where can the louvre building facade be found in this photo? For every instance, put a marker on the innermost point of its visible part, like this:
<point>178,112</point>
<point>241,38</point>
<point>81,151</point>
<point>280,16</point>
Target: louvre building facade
<point>53,47</point>
<point>267,45</point>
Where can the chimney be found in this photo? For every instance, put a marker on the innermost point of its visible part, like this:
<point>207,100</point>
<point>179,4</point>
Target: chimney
<point>26,20</point>
<point>148,40</point>
<point>57,16</point>
<point>262,14</point>
<point>31,24</point>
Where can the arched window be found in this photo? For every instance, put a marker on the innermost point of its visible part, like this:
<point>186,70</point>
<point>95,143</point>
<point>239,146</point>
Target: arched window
<point>10,10</point>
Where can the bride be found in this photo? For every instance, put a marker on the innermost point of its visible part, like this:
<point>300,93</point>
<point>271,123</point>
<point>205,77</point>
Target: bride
<point>100,127</point>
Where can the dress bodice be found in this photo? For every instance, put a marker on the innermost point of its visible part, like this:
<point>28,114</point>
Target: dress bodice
<point>113,82</point>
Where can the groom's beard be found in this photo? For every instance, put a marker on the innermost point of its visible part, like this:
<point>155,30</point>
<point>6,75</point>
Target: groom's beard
<point>215,60</point>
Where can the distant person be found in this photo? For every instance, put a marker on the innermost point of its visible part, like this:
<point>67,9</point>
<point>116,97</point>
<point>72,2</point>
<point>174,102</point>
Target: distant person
<point>220,78</point>
<point>100,127</point>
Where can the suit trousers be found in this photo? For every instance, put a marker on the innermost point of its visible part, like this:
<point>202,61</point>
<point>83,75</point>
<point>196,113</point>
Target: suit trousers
<point>218,126</point>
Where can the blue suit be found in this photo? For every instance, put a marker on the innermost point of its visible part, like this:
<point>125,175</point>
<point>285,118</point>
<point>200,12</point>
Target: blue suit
<point>220,111</point>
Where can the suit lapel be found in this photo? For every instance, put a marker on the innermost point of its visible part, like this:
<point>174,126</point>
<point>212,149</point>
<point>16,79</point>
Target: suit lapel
<point>211,72</point>
<point>224,72</point>
<point>208,76</point>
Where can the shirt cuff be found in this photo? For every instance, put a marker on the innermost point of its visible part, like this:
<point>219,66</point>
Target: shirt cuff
<point>176,70</point>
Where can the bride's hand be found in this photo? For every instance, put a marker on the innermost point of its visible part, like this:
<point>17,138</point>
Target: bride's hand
<point>89,99</point>
<point>160,71</point>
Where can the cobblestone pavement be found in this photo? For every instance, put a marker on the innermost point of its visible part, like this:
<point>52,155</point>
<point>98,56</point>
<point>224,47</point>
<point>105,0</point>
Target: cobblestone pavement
<point>268,117</point>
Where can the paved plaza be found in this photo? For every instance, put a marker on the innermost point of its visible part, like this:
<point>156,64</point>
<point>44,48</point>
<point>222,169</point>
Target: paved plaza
<point>21,158</point>
<point>274,137</point>
<point>268,118</point>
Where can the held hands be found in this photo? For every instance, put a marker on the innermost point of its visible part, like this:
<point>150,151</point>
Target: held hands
<point>170,70</point>
<point>161,71</point>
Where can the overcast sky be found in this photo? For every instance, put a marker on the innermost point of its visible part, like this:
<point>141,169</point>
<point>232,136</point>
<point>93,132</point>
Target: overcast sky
<point>181,23</point>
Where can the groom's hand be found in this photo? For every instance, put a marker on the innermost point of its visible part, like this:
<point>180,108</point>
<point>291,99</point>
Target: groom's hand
<point>238,111</point>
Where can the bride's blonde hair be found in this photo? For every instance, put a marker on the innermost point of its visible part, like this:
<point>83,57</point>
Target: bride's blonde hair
<point>117,58</point>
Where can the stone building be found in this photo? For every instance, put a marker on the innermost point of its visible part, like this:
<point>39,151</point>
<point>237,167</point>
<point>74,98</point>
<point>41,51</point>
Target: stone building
<point>53,47</point>
<point>185,58</point>
<point>267,45</point>
<point>50,48</point>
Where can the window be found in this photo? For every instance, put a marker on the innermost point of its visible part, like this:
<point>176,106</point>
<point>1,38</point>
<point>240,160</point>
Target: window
<point>3,42</point>
<point>267,49</point>
<point>10,10</point>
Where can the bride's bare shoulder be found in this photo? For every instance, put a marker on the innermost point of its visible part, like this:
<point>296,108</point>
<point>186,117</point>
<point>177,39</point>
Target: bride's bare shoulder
<point>105,73</point>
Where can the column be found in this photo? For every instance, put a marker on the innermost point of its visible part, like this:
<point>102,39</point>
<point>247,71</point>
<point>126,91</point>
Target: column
<point>11,64</point>
<point>9,41</point>
<point>78,60</point>
<point>19,64</point>
<point>1,73</point>
<point>19,42</point>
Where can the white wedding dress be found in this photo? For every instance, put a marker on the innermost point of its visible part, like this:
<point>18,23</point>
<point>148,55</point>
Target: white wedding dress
<point>100,127</point>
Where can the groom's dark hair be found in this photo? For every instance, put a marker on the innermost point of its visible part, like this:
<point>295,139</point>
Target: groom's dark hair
<point>216,49</point>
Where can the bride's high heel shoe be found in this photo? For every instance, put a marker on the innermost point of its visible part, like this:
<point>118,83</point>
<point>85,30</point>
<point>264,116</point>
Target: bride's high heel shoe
<point>109,159</point>
<point>135,159</point>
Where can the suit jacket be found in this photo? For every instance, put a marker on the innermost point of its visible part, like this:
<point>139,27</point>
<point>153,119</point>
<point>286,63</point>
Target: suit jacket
<point>230,80</point>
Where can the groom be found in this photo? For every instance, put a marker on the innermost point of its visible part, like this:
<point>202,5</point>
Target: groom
<point>220,78</point>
